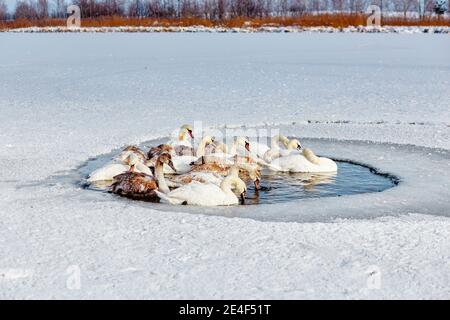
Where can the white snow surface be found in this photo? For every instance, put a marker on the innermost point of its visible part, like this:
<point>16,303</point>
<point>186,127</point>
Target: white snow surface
<point>67,97</point>
<point>246,29</point>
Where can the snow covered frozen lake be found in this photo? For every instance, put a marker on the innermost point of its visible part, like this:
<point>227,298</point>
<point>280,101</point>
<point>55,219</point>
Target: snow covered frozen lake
<point>379,99</point>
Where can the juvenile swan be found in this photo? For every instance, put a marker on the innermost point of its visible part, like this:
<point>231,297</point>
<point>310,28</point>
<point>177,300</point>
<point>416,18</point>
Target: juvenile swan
<point>141,186</point>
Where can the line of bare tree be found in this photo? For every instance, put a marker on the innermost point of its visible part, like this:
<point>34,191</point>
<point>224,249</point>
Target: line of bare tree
<point>207,9</point>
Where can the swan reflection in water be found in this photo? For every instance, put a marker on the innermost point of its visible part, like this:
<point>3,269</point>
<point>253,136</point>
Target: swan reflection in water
<point>277,187</point>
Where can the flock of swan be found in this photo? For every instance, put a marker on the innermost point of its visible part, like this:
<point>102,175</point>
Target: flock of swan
<point>209,174</point>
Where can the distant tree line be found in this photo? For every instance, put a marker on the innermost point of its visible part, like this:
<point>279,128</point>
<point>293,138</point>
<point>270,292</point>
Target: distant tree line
<point>205,9</point>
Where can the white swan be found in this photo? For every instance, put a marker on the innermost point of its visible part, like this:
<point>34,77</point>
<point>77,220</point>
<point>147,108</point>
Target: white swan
<point>182,145</point>
<point>291,147</point>
<point>109,171</point>
<point>207,194</point>
<point>305,162</point>
<point>259,149</point>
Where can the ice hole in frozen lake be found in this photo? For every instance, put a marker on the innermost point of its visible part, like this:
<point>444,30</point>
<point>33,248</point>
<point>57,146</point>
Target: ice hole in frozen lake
<point>424,174</point>
<point>351,178</point>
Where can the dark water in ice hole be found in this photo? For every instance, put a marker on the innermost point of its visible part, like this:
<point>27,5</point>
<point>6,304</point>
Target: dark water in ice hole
<point>351,178</point>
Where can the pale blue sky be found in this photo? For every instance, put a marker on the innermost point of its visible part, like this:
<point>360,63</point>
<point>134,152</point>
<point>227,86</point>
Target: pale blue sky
<point>12,4</point>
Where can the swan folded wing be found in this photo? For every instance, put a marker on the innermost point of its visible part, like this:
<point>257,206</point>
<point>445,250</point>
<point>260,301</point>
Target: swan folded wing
<point>201,195</point>
<point>202,177</point>
<point>132,150</point>
<point>166,199</point>
<point>155,152</point>
<point>299,163</point>
<point>220,158</point>
<point>134,184</point>
<point>183,150</point>
<point>211,167</point>
<point>107,172</point>
<point>181,164</point>
<point>142,168</point>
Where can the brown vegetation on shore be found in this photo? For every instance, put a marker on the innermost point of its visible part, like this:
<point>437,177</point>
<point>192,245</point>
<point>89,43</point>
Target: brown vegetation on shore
<point>339,20</point>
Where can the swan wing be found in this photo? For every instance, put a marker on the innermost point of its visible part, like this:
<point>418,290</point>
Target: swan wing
<point>202,177</point>
<point>167,199</point>
<point>108,172</point>
<point>181,163</point>
<point>177,142</point>
<point>140,167</point>
<point>201,195</point>
<point>258,149</point>
<point>298,163</point>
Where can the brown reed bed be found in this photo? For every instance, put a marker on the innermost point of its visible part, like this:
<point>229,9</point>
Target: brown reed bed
<point>336,20</point>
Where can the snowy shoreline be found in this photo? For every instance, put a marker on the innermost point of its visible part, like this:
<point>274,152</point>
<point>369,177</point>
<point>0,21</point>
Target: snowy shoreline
<point>263,29</point>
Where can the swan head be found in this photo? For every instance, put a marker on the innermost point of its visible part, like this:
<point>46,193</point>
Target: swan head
<point>294,144</point>
<point>166,158</point>
<point>232,181</point>
<point>239,187</point>
<point>186,129</point>
<point>244,142</point>
<point>254,173</point>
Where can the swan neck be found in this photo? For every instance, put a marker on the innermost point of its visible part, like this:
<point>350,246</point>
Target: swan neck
<point>159,173</point>
<point>226,185</point>
<point>310,156</point>
<point>276,140</point>
<point>233,150</point>
<point>201,149</point>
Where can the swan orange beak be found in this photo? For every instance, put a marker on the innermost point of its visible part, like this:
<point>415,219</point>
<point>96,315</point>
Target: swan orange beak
<point>172,166</point>
<point>247,146</point>
<point>132,168</point>
<point>191,134</point>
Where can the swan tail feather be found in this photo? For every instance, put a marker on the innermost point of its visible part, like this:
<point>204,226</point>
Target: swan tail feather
<point>164,198</point>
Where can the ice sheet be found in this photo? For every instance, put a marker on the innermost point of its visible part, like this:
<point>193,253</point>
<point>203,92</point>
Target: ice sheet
<point>67,97</point>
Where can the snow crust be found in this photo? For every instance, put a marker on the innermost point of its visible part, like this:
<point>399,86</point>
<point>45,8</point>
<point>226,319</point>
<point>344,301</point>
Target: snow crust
<point>249,29</point>
<point>380,99</point>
